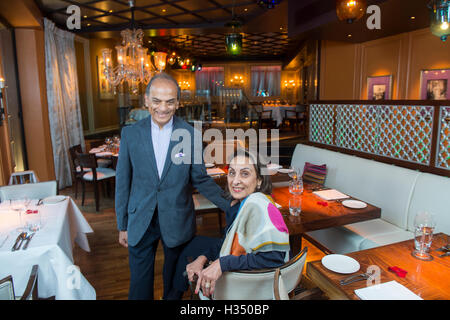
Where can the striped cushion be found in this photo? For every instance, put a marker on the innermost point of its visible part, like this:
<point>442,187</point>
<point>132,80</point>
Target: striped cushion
<point>314,174</point>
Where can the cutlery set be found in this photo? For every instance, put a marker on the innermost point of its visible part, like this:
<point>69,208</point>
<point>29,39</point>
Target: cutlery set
<point>20,240</point>
<point>358,277</point>
<point>445,249</point>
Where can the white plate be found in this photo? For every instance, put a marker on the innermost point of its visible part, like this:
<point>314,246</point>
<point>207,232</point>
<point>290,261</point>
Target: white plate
<point>209,165</point>
<point>354,204</point>
<point>273,166</point>
<point>340,263</point>
<point>285,170</point>
<point>54,199</point>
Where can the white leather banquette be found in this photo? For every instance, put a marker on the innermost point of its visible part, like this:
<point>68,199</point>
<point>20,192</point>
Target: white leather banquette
<point>399,192</point>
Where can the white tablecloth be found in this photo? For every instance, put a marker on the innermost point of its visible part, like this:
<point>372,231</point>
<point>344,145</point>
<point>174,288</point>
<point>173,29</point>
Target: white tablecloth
<point>278,113</point>
<point>51,248</point>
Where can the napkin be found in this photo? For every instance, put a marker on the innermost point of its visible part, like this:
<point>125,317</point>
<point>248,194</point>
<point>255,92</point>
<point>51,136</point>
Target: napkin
<point>3,238</point>
<point>387,291</point>
<point>331,194</point>
<point>400,272</point>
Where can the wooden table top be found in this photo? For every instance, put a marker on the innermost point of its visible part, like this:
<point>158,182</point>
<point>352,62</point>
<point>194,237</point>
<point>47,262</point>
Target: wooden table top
<point>315,216</point>
<point>428,279</point>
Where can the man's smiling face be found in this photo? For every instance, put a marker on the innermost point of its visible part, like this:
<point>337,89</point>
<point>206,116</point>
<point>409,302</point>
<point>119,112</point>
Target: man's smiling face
<point>162,101</point>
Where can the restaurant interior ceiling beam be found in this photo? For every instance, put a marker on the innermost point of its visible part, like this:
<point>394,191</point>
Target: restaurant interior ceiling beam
<point>21,13</point>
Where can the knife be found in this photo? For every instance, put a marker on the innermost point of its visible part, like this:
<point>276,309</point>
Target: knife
<point>28,241</point>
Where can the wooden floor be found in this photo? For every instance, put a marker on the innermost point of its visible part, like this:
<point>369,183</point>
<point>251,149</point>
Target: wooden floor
<point>106,266</point>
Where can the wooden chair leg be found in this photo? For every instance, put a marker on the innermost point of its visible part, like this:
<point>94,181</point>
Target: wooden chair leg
<point>83,191</point>
<point>96,191</point>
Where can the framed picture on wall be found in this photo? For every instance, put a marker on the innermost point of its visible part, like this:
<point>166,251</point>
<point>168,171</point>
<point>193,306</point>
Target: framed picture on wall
<point>105,89</point>
<point>379,88</point>
<point>435,84</point>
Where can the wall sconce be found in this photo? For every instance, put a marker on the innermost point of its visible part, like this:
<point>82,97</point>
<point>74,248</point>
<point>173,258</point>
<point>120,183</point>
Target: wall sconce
<point>350,10</point>
<point>289,84</point>
<point>185,85</point>
<point>237,80</point>
<point>2,109</point>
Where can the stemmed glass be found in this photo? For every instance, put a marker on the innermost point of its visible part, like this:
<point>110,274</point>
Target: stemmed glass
<point>108,142</point>
<point>20,206</point>
<point>424,224</point>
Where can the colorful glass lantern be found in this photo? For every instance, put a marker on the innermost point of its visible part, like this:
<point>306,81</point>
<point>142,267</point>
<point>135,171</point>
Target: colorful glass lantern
<point>350,10</point>
<point>440,18</point>
<point>160,60</point>
<point>234,43</point>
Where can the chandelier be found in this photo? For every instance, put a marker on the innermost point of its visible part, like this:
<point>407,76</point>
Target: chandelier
<point>133,63</point>
<point>350,10</point>
<point>440,18</point>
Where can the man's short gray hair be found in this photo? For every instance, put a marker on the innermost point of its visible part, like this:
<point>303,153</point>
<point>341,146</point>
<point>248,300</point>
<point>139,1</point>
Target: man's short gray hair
<point>165,76</point>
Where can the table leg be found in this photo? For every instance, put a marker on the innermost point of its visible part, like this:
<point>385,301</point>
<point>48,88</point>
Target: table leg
<point>295,242</point>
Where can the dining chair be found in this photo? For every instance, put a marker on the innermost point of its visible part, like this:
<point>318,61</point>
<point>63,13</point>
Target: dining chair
<point>265,117</point>
<point>296,119</point>
<point>31,291</point>
<point>23,177</point>
<point>203,206</point>
<point>96,175</point>
<point>39,190</point>
<point>101,162</point>
<point>77,174</point>
<point>260,284</point>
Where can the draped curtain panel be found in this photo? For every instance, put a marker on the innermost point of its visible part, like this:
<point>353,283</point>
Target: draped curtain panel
<point>265,79</point>
<point>63,98</point>
<point>210,78</point>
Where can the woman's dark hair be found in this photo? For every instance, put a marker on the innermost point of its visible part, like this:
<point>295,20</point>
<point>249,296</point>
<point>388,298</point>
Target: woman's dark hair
<point>266,182</point>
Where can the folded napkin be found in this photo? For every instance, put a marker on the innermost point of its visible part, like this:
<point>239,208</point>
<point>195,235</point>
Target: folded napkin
<point>97,150</point>
<point>102,154</point>
<point>331,194</point>
<point>400,272</point>
<point>387,291</point>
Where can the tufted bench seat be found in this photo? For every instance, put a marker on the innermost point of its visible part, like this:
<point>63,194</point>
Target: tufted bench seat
<point>399,192</point>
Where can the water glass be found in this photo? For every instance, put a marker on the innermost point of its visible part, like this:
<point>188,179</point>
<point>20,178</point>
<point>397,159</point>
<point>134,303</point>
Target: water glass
<point>424,224</point>
<point>19,206</point>
<point>295,206</point>
<point>296,186</point>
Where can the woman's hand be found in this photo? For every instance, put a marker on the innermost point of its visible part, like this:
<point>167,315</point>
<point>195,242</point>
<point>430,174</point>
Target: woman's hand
<point>196,267</point>
<point>208,277</point>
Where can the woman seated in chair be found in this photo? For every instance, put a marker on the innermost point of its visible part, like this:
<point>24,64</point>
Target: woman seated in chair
<point>256,235</point>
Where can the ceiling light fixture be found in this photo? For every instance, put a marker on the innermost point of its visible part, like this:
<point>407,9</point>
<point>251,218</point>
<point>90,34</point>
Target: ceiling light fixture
<point>440,18</point>
<point>134,65</point>
<point>233,40</point>
<point>350,10</point>
<point>269,4</point>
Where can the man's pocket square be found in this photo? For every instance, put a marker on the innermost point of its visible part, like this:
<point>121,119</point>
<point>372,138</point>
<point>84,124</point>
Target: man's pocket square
<point>179,155</point>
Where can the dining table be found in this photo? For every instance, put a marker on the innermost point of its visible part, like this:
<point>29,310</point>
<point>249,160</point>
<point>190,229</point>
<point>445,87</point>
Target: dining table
<point>316,213</point>
<point>62,225</point>
<point>279,111</point>
<point>428,280</point>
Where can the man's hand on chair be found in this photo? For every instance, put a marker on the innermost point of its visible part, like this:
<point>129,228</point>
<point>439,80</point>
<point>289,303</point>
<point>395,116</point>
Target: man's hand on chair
<point>196,267</point>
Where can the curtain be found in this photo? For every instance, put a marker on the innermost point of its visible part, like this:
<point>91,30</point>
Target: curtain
<point>210,78</point>
<point>265,80</point>
<point>63,99</point>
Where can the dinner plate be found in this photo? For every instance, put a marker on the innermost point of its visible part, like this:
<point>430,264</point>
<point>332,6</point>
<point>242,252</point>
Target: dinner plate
<point>54,199</point>
<point>209,165</point>
<point>354,204</point>
<point>273,166</point>
<point>340,263</point>
<point>285,170</point>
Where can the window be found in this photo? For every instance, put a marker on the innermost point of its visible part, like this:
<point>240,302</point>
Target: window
<point>210,78</point>
<point>266,81</point>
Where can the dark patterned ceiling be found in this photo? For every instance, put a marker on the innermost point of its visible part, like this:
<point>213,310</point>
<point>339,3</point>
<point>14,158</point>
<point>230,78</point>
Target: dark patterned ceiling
<point>197,27</point>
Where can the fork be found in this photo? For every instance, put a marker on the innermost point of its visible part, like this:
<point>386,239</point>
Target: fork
<point>358,277</point>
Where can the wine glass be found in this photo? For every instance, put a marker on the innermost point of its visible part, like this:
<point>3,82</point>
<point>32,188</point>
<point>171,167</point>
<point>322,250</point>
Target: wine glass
<point>20,206</point>
<point>296,186</point>
<point>424,224</point>
<point>293,172</point>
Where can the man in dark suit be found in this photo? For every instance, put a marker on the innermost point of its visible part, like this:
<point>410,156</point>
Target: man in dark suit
<point>154,190</point>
